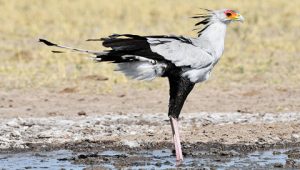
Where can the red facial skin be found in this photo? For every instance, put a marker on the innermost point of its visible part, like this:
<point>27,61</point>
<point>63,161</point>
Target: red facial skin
<point>231,14</point>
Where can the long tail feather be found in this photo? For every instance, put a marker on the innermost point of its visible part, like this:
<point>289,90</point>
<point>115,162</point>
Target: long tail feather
<point>48,43</point>
<point>131,53</point>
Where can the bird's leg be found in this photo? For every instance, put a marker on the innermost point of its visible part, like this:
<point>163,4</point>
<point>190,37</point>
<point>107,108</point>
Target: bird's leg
<point>176,139</point>
<point>180,87</point>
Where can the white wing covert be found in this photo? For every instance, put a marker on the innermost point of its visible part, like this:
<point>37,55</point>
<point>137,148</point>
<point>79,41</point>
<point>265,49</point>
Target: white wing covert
<point>181,53</point>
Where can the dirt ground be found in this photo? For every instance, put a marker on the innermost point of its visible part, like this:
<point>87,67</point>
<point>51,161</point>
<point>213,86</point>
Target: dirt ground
<point>66,102</point>
<point>238,115</point>
<point>240,118</point>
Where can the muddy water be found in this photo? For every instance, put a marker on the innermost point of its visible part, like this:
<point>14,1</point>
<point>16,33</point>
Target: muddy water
<point>41,160</point>
<point>156,159</point>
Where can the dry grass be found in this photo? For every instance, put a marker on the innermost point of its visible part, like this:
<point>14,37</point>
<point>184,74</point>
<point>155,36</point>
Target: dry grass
<point>263,50</point>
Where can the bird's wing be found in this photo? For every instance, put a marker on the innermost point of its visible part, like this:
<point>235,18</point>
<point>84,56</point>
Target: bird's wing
<point>178,50</point>
<point>181,51</point>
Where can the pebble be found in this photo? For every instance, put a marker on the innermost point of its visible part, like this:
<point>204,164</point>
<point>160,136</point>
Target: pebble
<point>3,139</point>
<point>295,137</point>
<point>28,123</point>
<point>45,134</point>
<point>276,153</point>
<point>131,144</point>
<point>54,134</point>
<point>214,150</point>
<point>133,133</point>
<point>15,133</point>
<point>13,123</point>
<point>278,165</point>
<point>158,164</point>
<point>276,138</point>
<point>229,153</point>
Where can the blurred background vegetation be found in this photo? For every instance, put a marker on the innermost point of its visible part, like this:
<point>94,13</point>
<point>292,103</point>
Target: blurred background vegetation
<point>262,51</point>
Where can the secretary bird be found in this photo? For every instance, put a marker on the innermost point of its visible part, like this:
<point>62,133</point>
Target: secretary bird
<point>184,61</point>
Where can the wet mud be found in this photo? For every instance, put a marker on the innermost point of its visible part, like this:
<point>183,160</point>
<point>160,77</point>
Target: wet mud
<point>108,155</point>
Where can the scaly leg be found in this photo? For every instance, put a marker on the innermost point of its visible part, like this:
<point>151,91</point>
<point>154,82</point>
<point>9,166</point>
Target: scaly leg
<point>175,131</point>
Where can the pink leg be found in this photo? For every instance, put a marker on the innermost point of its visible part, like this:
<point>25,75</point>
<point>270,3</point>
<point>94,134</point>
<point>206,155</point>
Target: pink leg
<point>175,131</point>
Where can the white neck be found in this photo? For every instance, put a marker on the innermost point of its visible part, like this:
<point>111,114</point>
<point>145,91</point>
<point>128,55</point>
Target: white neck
<point>215,35</point>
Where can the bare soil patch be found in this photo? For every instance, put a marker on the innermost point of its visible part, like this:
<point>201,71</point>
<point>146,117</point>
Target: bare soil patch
<point>244,99</point>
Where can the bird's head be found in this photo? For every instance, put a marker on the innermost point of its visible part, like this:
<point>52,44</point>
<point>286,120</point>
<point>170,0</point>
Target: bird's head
<point>224,15</point>
<point>227,15</point>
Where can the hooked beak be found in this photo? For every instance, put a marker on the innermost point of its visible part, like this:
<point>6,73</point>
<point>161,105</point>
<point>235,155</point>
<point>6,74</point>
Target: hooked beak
<point>239,17</point>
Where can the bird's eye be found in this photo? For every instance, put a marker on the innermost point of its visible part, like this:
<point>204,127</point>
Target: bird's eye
<point>228,14</point>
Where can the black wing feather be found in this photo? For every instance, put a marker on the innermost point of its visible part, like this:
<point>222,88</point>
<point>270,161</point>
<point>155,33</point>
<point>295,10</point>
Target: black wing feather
<point>127,45</point>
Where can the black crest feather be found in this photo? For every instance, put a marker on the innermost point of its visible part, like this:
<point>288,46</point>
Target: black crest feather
<point>205,20</point>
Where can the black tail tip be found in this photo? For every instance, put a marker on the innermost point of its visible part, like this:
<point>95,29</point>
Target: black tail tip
<point>96,39</point>
<point>47,42</point>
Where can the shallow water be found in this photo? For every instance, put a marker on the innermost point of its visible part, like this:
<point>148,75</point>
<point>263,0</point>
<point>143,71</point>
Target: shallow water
<point>41,160</point>
<point>157,159</point>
